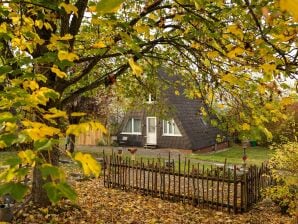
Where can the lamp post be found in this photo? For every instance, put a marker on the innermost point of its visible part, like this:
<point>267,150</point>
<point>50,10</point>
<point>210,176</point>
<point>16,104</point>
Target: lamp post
<point>245,144</point>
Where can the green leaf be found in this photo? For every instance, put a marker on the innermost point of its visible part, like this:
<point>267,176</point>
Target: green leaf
<point>67,191</point>
<point>52,192</point>
<point>52,171</point>
<point>7,116</point>
<point>13,161</point>
<point>8,139</point>
<point>5,69</point>
<point>43,144</point>
<point>16,190</point>
<point>108,6</point>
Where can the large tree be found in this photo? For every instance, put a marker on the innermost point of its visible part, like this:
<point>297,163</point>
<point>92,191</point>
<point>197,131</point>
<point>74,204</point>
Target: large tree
<point>226,52</point>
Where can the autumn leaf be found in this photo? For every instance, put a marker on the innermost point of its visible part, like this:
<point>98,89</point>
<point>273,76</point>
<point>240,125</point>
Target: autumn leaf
<point>69,56</point>
<point>109,6</point>
<point>27,157</point>
<point>69,8</point>
<point>291,6</point>
<point>230,78</point>
<point>245,127</point>
<point>58,72</point>
<point>136,69</point>
<point>90,166</point>
<point>31,84</point>
<point>235,52</point>
<point>268,68</point>
<point>77,114</point>
<point>99,44</point>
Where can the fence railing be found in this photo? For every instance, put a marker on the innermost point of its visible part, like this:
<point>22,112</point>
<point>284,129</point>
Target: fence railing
<point>224,187</point>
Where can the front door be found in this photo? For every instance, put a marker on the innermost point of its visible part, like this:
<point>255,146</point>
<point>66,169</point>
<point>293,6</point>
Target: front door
<point>151,131</point>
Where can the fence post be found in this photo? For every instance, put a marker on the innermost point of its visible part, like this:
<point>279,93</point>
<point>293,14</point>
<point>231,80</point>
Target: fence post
<point>235,191</point>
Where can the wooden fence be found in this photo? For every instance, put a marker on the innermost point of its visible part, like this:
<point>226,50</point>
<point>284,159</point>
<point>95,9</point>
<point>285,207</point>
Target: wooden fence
<point>89,138</point>
<point>220,188</point>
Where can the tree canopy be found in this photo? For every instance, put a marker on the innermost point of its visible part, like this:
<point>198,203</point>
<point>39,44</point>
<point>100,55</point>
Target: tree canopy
<point>239,57</point>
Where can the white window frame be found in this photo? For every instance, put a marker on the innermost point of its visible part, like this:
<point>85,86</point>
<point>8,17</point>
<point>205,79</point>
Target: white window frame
<point>132,128</point>
<point>167,133</point>
<point>151,99</point>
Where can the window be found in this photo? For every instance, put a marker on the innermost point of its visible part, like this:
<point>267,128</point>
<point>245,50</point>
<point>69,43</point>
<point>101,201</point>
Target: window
<point>133,126</point>
<point>151,98</point>
<point>170,128</point>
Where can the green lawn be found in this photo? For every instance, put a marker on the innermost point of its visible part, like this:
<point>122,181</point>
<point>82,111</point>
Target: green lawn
<point>6,155</point>
<point>255,155</point>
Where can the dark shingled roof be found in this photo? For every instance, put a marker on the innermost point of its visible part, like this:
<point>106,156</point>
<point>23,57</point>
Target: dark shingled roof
<point>187,116</point>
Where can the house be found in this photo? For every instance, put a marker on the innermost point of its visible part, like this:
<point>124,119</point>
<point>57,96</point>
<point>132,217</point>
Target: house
<point>184,128</point>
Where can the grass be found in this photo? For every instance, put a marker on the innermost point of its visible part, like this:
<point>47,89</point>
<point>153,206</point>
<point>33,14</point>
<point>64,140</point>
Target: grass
<point>6,155</point>
<point>255,155</point>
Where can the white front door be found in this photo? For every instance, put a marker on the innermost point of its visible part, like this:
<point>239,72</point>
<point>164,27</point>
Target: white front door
<point>151,131</point>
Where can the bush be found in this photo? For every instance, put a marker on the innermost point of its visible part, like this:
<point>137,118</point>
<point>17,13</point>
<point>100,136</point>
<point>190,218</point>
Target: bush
<point>284,165</point>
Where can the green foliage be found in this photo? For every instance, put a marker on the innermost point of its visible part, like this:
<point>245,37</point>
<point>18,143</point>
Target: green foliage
<point>285,171</point>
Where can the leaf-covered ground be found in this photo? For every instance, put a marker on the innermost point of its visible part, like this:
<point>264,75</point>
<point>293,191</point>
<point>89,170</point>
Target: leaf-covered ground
<point>97,204</point>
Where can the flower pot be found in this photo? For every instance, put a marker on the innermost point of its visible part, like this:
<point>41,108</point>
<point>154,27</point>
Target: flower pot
<point>5,213</point>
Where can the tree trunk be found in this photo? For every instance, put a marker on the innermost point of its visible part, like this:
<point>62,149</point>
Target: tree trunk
<point>72,143</point>
<point>39,195</point>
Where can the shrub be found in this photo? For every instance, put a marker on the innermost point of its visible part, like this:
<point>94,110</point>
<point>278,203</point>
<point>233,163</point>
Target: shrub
<point>284,167</point>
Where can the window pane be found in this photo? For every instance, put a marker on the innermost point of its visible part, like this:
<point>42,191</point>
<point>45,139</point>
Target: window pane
<point>170,127</point>
<point>164,126</point>
<point>176,130</point>
<point>137,125</point>
<point>151,125</point>
<point>128,126</point>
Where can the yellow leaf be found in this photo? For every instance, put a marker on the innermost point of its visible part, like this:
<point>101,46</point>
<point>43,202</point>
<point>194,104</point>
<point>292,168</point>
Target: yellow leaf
<point>235,52</point>
<point>55,113</point>
<point>287,101</point>
<point>230,78</point>
<point>177,93</point>
<point>136,69</point>
<point>142,29</point>
<point>268,68</point>
<point>66,37</point>
<point>267,133</point>
<point>15,19</point>
<point>33,85</point>
<point>3,28</point>
<point>99,44</point>
<point>291,6</point>
<point>77,114</point>
<point>69,56</point>
<point>36,130</point>
<point>58,72</point>
<point>212,54</point>
<point>234,29</point>
<point>261,89</point>
<point>77,129</point>
<point>69,8</point>
<point>245,126</point>
<point>90,166</point>
<point>39,24</point>
<point>27,157</point>
<point>48,26</point>
<point>92,8</point>
<point>269,106</point>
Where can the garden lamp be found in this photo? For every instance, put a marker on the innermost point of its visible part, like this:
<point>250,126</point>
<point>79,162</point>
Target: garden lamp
<point>245,144</point>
